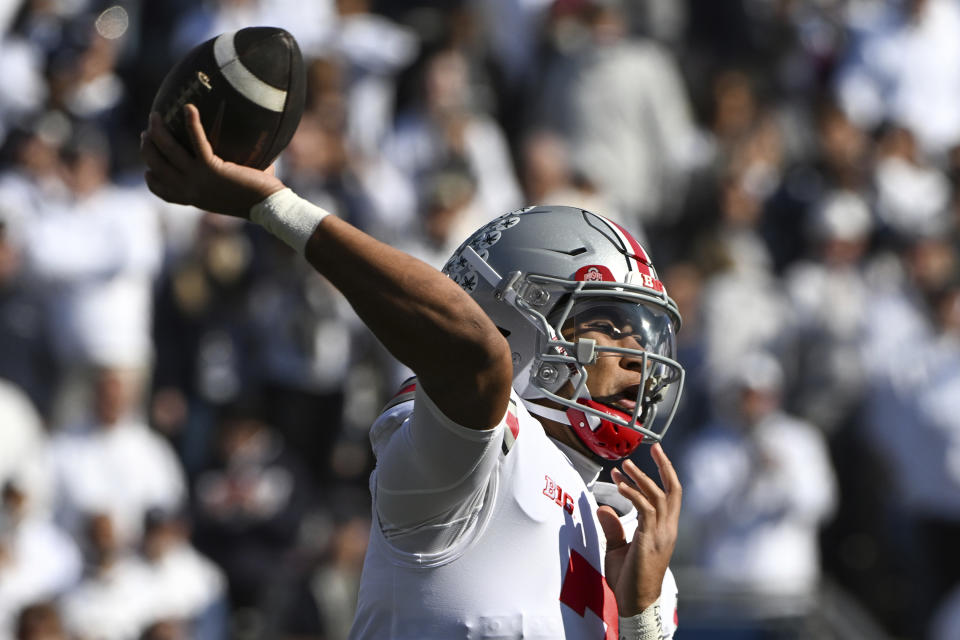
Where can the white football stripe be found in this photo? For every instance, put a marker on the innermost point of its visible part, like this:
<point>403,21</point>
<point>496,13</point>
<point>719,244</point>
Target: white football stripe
<point>240,78</point>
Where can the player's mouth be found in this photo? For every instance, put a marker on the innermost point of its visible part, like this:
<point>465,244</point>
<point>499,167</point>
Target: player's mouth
<point>625,401</point>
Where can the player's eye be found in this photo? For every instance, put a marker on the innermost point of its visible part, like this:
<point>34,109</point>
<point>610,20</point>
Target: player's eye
<point>604,327</point>
<point>618,334</point>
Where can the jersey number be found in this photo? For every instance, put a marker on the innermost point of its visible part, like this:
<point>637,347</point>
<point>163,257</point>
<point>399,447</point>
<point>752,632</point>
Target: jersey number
<point>585,588</point>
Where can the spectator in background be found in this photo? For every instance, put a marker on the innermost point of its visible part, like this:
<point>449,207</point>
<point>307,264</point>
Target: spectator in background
<point>183,585</point>
<point>903,312</point>
<point>114,464</point>
<point>23,88</point>
<point>31,182</point>
<point>27,361</point>
<point>372,51</point>
<point>840,160</point>
<point>447,129</point>
<point>25,454</point>
<point>32,179</point>
<point>248,508</point>
<point>451,212</point>
<point>336,582</point>
<point>827,294</point>
<point>550,177</point>
<point>510,31</point>
<point>746,178</point>
<point>633,139</point>
<point>113,601</point>
<point>759,486</point>
<point>95,255</point>
<point>912,194</point>
<point>202,336</point>
<point>743,308</point>
<point>38,561</point>
<point>913,363</point>
<point>902,67</point>
<point>306,343</point>
<point>82,75</point>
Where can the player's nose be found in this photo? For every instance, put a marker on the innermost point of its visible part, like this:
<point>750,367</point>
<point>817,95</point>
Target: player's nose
<point>635,360</point>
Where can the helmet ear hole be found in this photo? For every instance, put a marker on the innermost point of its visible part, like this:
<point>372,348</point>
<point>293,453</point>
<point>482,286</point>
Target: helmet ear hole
<point>549,375</point>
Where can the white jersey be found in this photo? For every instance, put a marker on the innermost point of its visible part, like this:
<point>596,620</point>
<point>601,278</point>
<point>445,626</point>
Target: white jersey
<point>504,541</point>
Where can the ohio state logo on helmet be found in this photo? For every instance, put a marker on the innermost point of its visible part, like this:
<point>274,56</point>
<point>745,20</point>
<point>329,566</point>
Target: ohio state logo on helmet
<point>594,273</point>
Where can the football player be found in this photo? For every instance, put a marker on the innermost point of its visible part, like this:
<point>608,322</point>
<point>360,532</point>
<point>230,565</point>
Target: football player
<point>546,346</point>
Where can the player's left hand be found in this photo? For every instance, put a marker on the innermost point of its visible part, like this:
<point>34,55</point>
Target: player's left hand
<point>635,569</point>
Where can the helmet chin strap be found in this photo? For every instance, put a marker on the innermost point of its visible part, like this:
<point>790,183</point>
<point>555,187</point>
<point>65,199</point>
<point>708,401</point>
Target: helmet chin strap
<point>557,415</point>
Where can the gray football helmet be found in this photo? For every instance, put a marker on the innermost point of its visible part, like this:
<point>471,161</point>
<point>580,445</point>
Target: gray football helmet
<point>541,272</point>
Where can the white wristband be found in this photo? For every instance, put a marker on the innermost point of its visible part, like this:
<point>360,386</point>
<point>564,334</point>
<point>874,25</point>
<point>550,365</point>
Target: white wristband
<point>289,217</point>
<point>643,626</point>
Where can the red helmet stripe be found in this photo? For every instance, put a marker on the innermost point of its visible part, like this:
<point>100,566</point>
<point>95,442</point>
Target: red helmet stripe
<point>640,259</point>
<point>636,251</point>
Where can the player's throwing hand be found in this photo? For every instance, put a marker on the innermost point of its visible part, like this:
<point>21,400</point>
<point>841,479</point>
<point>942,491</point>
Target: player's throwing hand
<point>201,178</point>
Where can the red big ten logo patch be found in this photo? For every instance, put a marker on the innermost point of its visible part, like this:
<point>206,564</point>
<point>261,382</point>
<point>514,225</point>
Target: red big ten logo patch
<point>553,491</point>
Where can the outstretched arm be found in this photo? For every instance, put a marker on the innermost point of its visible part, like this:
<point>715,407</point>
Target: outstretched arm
<point>420,315</point>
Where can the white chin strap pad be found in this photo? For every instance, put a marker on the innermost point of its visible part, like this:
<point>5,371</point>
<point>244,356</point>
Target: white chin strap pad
<point>558,415</point>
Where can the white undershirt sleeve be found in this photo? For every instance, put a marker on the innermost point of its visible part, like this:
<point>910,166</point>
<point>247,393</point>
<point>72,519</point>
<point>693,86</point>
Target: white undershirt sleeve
<point>432,476</point>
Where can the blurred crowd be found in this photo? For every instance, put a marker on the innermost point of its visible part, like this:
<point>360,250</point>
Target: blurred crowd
<point>184,402</point>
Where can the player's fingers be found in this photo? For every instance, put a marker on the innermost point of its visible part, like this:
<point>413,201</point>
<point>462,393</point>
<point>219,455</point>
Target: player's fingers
<point>197,135</point>
<point>157,162</point>
<point>162,189</point>
<point>669,478</point>
<point>647,485</point>
<point>639,500</point>
<point>166,144</point>
<point>612,528</point>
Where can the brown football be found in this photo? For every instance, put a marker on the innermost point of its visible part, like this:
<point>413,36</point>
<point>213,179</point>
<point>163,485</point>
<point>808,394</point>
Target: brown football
<point>249,87</point>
